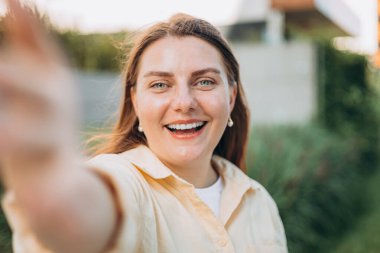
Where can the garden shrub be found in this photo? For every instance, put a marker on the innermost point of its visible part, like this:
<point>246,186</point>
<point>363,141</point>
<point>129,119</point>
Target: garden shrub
<point>5,233</point>
<point>312,175</point>
<point>348,101</point>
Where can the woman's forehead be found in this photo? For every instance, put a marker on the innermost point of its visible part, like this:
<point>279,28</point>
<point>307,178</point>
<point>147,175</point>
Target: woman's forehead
<point>187,53</point>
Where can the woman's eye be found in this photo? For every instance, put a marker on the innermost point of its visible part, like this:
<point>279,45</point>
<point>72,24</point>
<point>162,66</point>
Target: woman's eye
<point>205,83</point>
<point>159,85</point>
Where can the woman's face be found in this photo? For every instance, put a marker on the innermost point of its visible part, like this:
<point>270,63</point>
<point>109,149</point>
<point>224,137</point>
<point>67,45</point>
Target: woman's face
<point>182,99</point>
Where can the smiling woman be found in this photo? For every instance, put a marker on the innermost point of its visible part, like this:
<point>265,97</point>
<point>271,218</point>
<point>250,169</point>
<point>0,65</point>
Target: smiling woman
<point>169,179</point>
<point>193,91</point>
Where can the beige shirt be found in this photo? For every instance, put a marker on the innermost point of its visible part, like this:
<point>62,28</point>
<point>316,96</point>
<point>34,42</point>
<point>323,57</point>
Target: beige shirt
<point>161,213</point>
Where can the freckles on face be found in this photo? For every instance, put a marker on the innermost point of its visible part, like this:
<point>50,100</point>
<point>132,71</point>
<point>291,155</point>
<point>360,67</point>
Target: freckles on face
<point>182,98</point>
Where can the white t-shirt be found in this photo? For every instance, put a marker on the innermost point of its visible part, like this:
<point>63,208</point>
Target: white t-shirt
<point>212,195</point>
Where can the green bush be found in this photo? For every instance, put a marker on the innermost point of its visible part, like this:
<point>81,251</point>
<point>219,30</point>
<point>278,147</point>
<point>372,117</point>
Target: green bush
<point>88,52</point>
<point>5,232</point>
<point>313,178</point>
<point>348,102</point>
<point>364,239</point>
<point>93,52</point>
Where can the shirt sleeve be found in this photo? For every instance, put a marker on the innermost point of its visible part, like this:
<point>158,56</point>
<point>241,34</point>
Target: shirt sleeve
<point>123,181</point>
<point>276,219</point>
<point>23,239</point>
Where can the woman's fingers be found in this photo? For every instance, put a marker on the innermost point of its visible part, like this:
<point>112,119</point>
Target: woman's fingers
<point>20,25</point>
<point>20,74</point>
<point>38,101</point>
<point>30,53</point>
<point>24,31</point>
<point>35,118</point>
<point>31,62</point>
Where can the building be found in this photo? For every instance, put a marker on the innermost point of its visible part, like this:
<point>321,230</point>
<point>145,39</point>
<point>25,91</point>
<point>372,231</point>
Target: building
<point>273,40</point>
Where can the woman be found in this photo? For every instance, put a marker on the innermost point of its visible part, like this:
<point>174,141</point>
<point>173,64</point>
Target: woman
<point>168,179</point>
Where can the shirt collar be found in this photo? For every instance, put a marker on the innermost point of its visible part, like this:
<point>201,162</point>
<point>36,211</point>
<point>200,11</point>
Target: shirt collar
<point>236,185</point>
<point>231,174</point>
<point>148,162</point>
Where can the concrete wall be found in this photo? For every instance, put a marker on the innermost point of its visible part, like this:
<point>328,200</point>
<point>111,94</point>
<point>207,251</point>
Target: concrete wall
<point>279,81</point>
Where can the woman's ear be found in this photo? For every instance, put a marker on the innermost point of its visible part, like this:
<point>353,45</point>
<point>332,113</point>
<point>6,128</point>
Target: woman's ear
<point>233,94</point>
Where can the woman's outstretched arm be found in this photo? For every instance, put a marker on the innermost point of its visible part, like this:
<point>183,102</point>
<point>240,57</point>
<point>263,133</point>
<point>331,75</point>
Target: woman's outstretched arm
<point>68,208</point>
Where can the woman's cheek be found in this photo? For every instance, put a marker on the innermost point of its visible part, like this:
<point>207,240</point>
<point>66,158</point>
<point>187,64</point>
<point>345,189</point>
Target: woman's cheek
<point>152,106</point>
<point>215,104</point>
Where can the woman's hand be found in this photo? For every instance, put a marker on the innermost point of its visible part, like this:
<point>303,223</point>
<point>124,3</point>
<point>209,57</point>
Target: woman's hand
<point>38,107</point>
<point>68,208</point>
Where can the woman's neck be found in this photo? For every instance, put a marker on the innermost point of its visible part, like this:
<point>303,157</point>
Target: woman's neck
<point>199,174</point>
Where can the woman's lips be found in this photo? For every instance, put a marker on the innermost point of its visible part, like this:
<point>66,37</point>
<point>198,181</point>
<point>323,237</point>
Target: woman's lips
<point>186,130</point>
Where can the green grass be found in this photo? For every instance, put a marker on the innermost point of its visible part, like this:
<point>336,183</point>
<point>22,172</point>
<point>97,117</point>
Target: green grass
<point>365,236</point>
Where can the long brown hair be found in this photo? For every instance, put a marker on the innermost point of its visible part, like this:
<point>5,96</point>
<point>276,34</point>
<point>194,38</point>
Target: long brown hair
<point>125,134</point>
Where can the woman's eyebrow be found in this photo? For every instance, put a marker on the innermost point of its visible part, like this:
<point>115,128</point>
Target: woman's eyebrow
<point>158,73</point>
<point>204,71</point>
<point>193,74</point>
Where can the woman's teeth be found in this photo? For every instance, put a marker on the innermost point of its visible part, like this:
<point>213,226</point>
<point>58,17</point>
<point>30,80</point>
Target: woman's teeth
<point>185,126</point>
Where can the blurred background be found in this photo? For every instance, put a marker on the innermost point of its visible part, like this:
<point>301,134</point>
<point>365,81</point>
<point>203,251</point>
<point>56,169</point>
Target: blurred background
<point>310,69</point>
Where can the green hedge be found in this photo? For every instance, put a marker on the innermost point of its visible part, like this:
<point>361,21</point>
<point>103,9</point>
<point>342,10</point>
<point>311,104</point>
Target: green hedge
<point>5,232</point>
<point>364,237</point>
<point>348,101</point>
<point>5,235</point>
<point>93,52</point>
<point>313,177</point>
<point>88,52</point>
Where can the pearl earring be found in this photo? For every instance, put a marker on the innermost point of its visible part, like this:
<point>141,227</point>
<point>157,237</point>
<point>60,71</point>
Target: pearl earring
<point>230,123</point>
<point>140,129</point>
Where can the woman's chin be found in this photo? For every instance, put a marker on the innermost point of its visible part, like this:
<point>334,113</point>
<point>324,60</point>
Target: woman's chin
<point>185,156</point>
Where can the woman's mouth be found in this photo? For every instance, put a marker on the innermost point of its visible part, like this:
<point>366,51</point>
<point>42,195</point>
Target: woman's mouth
<point>185,131</point>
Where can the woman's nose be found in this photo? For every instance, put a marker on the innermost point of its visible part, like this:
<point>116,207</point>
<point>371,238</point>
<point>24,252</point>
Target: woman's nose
<point>184,99</point>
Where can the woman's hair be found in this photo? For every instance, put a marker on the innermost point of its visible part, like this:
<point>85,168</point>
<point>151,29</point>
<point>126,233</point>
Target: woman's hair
<point>125,134</point>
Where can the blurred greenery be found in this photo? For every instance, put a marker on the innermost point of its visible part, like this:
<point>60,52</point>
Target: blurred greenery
<point>311,173</point>
<point>87,52</point>
<point>318,174</point>
<point>364,238</point>
<point>5,232</point>
<point>349,102</point>
<point>93,52</point>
